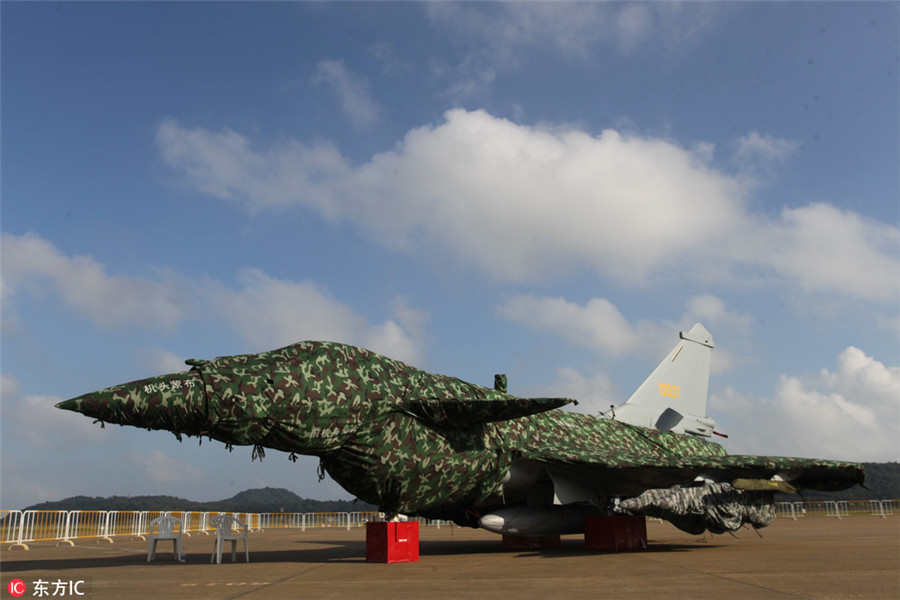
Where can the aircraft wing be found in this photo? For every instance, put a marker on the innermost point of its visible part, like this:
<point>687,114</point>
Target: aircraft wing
<point>588,457</point>
<point>612,472</point>
<point>463,413</point>
<point>551,494</point>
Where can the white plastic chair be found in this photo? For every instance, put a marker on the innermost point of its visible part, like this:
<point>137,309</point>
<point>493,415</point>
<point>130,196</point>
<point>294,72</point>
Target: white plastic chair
<point>228,529</point>
<point>165,528</point>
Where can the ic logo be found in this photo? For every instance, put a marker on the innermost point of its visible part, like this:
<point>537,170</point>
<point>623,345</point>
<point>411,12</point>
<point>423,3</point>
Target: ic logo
<point>16,588</point>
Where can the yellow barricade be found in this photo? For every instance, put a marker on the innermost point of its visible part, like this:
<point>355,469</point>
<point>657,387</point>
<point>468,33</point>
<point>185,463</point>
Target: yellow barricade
<point>86,523</point>
<point>41,525</point>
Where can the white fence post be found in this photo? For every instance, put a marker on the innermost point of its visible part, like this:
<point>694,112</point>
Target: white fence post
<point>204,522</point>
<point>12,524</point>
<point>72,515</point>
<point>20,526</point>
<point>103,525</point>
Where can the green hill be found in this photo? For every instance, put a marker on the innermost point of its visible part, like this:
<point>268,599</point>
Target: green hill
<point>261,500</point>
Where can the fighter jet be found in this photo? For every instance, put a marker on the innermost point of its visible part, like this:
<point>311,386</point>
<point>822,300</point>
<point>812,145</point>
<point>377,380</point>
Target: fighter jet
<point>419,443</point>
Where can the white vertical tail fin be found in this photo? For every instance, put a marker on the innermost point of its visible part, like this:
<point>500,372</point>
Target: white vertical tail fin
<point>673,398</point>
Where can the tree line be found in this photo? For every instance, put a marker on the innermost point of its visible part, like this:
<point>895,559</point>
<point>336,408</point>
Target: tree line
<point>882,483</point>
<point>262,500</point>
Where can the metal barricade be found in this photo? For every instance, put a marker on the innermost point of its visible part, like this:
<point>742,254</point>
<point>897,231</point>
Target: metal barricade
<point>360,518</point>
<point>41,525</point>
<point>816,509</point>
<point>877,508</point>
<point>785,509</point>
<point>203,523</point>
<point>251,520</point>
<point>280,520</point>
<point>185,518</point>
<point>294,520</point>
<point>19,528</point>
<point>326,520</point>
<point>145,517</point>
<point>10,522</point>
<point>85,523</point>
<point>122,522</point>
<point>194,522</point>
<point>835,509</point>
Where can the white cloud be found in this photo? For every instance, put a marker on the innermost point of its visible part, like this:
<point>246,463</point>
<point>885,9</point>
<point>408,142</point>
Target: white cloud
<point>594,394</point>
<point>30,263</point>
<point>157,360</point>
<point>226,166</point>
<point>9,387</point>
<point>33,429</point>
<point>598,325</point>
<point>266,312</point>
<point>712,311</point>
<point>352,90</point>
<point>851,413</point>
<point>392,64</point>
<point>570,28</point>
<point>526,203</point>
<point>32,422</point>
<point>825,249</point>
<point>21,488</point>
<point>159,467</point>
<point>270,312</point>
<point>500,37</point>
<point>758,157</point>
<point>521,202</point>
<point>755,146</point>
<point>633,25</point>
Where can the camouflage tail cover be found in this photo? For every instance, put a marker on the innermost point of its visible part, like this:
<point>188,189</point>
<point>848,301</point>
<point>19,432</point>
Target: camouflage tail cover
<point>408,440</point>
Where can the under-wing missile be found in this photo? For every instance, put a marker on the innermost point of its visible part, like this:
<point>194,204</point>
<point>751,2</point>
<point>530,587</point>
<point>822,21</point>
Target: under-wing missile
<point>523,520</point>
<point>425,444</point>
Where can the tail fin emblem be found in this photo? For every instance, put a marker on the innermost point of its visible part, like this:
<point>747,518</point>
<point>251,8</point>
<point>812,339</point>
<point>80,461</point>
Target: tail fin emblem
<point>672,391</point>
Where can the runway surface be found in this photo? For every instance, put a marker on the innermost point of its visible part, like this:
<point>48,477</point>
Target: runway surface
<point>856,557</point>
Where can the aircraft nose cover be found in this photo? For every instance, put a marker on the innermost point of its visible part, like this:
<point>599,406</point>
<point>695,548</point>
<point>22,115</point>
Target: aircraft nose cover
<point>174,403</point>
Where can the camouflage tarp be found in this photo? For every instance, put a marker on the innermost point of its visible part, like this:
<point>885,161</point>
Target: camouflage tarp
<point>713,506</point>
<point>416,442</point>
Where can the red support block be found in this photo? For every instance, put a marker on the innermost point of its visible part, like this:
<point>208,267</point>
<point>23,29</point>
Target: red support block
<point>392,542</point>
<point>615,534</point>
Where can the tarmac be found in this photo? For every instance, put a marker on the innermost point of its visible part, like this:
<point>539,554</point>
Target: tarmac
<point>856,557</point>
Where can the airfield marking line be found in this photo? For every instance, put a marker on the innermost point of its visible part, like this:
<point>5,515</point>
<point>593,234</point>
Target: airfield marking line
<point>110,549</point>
<point>263,585</point>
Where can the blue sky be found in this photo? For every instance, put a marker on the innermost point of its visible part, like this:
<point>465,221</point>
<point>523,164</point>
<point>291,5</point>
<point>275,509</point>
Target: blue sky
<point>549,190</point>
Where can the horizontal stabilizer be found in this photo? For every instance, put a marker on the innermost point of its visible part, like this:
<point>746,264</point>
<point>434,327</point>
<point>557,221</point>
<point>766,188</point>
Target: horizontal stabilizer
<point>466,413</point>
